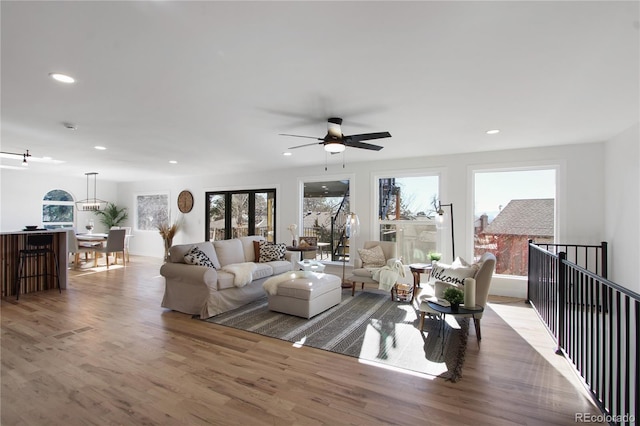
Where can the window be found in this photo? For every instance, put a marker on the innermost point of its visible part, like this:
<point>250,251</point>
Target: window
<point>57,209</point>
<point>234,214</point>
<point>511,207</point>
<point>151,211</point>
<point>406,208</point>
<point>325,204</point>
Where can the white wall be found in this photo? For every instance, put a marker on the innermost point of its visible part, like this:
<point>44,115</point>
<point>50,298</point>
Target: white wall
<point>622,200</point>
<point>581,206</point>
<point>22,192</point>
<point>581,189</point>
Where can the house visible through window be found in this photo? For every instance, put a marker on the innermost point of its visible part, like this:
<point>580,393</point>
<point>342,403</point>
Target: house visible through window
<point>512,207</point>
<point>57,209</point>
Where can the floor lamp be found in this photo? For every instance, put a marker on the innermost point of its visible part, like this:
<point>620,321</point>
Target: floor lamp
<point>352,228</point>
<point>439,222</point>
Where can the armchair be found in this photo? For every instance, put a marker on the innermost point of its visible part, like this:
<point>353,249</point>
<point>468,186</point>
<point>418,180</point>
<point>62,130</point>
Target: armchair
<point>363,275</point>
<point>483,276</point>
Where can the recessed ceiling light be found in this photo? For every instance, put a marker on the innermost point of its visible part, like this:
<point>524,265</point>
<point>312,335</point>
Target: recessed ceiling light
<point>173,162</point>
<point>100,148</point>
<point>287,154</point>
<point>493,132</point>
<point>62,78</point>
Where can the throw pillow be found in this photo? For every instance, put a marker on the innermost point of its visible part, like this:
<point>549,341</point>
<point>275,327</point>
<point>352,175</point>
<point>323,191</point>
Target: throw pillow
<point>195,256</point>
<point>452,274</point>
<point>372,258</point>
<point>270,251</point>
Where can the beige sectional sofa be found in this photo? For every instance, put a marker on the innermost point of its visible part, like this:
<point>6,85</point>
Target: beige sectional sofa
<point>205,291</point>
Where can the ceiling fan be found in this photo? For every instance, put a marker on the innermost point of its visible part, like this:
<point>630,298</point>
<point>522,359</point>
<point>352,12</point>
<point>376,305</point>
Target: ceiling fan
<point>335,141</point>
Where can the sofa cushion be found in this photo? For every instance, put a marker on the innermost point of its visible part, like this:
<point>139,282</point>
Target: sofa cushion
<point>177,252</point>
<point>263,270</point>
<point>373,257</point>
<point>248,248</point>
<point>229,251</point>
<point>280,266</point>
<point>195,256</point>
<point>363,272</point>
<point>270,251</point>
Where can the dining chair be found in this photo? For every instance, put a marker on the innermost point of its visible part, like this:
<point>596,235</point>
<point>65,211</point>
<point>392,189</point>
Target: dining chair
<point>127,238</point>
<point>114,244</point>
<point>76,248</point>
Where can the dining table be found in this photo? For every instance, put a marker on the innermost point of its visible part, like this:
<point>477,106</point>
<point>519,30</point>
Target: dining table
<point>92,240</point>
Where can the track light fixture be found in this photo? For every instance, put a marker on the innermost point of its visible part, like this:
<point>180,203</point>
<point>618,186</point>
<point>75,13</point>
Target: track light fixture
<point>24,156</point>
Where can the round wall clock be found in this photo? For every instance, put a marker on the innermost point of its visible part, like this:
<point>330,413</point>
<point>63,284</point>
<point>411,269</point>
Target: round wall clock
<point>185,201</point>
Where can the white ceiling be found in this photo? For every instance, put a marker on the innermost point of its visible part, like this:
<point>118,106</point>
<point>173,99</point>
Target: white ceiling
<point>212,84</point>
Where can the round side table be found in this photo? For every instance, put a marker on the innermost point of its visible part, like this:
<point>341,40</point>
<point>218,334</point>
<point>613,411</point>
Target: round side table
<point>416,270</point>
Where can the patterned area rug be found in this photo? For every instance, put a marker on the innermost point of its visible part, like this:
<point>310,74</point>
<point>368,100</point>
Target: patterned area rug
<point>368,326</point>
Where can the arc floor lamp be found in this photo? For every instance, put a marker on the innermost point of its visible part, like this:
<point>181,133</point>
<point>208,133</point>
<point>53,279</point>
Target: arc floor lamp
<point>439,225</point>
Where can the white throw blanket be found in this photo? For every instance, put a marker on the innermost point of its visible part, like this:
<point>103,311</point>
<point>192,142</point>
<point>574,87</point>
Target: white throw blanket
<point>271,284</point>
<point>388,275</point>
<point>243,272</point>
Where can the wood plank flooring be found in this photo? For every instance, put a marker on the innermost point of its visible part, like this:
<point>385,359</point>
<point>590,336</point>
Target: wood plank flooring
<point>104,352</point>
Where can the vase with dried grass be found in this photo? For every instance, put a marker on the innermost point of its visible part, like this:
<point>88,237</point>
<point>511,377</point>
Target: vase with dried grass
<point>167,232</point>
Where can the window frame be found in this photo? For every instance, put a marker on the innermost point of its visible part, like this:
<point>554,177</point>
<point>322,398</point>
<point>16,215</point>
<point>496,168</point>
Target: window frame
<point>559,168</point>
<point>228,195</point>
<point>376,222</point>
<point>351,178</point>
<point>71,204</point>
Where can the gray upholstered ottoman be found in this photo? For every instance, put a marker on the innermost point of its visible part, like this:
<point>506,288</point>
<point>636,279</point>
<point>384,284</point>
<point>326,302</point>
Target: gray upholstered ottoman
<point>306,294</point>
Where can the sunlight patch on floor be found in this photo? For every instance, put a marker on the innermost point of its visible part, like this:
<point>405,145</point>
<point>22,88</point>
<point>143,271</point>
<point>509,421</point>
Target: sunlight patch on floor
<point>523,320</point>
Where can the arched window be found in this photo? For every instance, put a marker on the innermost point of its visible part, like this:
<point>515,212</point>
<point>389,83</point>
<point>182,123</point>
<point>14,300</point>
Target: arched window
<point>57,209</point>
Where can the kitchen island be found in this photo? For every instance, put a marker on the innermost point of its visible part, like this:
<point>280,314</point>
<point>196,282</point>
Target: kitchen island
<point>12,242</point>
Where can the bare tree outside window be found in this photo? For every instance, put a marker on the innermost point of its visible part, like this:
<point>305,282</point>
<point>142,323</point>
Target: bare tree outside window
<point>406,207</point>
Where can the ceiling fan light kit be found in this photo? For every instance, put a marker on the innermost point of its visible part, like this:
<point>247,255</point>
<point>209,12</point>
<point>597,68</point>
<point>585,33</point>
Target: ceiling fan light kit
<point>334,147</point>
<point>334,141</point>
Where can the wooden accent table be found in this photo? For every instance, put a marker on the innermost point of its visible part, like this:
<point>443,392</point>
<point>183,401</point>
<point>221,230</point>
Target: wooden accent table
<point>416,270</point>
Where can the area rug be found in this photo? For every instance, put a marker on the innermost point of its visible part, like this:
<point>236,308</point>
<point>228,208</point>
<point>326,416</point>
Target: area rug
<point>369,326</point>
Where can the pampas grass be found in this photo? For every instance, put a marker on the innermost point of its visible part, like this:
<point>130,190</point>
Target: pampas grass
<point>167,232</point>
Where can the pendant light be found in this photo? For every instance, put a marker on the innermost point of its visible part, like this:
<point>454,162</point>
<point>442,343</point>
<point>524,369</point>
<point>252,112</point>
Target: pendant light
<point>91,204</point>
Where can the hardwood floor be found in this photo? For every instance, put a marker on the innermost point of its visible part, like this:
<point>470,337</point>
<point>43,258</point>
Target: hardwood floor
<point>104,352</point>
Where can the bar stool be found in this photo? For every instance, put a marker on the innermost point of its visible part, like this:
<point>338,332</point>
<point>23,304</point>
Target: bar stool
<point>38,247</point>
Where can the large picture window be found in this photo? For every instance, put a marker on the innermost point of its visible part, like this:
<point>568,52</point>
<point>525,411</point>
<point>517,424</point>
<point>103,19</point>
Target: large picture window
<point>233,214</point>
<point>325,205</point>
<point>406,208</point>
<point>511,207</point>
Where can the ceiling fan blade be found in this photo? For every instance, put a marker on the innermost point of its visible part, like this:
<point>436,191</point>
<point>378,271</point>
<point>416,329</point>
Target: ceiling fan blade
<point>367,136</point>
<point>363,145</point>
<point>300,136</point>
<point>307,144</point>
